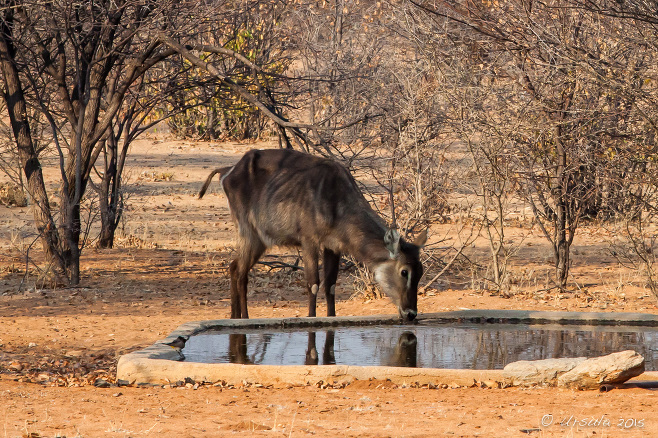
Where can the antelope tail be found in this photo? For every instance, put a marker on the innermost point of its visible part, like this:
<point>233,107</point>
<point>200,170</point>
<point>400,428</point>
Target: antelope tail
<point>221,170</point>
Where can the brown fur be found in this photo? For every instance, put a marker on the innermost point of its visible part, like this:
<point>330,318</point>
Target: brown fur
<point>285,197</point>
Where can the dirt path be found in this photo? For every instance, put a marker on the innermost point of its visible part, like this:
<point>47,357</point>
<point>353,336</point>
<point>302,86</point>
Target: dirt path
<point>356,411</point>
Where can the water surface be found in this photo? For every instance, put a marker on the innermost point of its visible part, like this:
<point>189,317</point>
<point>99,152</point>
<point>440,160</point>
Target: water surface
<point>457,346</point>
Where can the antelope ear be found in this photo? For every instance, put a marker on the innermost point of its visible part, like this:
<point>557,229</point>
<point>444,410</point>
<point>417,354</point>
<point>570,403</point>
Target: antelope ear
<point>420,239</point>
<point>392,242</point>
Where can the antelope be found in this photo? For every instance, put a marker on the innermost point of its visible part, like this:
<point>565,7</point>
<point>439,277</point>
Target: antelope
<point>282,197</point>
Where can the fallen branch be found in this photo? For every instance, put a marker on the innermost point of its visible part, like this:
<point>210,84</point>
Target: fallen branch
<point>281,265</point>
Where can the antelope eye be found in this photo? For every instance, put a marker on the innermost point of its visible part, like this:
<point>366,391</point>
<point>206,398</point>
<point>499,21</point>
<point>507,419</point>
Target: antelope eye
<point>404,273</point>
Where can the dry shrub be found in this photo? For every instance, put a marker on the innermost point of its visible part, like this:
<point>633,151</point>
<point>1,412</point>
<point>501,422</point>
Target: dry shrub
<point>363,283</point>
<point>132,241</point>
<point>155,176</point>
<point>12,194</point>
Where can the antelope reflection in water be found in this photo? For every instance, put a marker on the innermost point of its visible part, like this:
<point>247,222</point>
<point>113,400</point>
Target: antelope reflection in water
<point>406,351</point>
<point>328,355</point>
<point>404,354</point>
<point>237,348</point>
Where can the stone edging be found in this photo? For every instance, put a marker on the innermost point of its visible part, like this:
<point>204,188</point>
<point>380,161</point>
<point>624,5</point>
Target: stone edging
<point>158,363</point>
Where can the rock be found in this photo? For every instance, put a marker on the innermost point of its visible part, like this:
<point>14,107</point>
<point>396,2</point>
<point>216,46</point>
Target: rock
<point>594,372</point>
<point>16,366</point>
<point>100,383</point>
<point>538,372</point>
<point>490,384</point>
<point>251,426</point>
<point>74,353</point>
<point>578,372</point>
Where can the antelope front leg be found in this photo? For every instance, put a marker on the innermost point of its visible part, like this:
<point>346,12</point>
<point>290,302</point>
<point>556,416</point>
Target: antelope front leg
<point>235,293</point>
<point>330,264</point>
<point>310,258</point>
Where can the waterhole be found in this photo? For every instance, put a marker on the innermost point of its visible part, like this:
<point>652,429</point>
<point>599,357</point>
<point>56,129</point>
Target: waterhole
<point>427,344</point>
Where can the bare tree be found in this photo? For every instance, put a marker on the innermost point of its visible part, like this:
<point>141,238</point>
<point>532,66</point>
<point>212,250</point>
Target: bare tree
<point>61,59</point>
<point>83,68</point>
<point>550,64</point>
<point>634,244</point>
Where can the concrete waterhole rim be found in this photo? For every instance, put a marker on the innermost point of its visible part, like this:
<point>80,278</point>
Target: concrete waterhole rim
<point>159,364</point>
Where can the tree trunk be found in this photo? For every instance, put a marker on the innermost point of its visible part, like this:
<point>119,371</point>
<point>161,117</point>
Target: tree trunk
<point>109,196</point>
<point>562,213</point>
<point>29,160</point>
<point>70,237</point>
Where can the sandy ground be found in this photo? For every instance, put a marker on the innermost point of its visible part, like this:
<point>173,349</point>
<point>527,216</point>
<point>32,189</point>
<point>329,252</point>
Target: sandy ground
<point>170,266</point>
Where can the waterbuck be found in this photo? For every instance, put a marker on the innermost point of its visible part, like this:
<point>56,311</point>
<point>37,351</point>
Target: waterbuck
<point>289,198</point>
